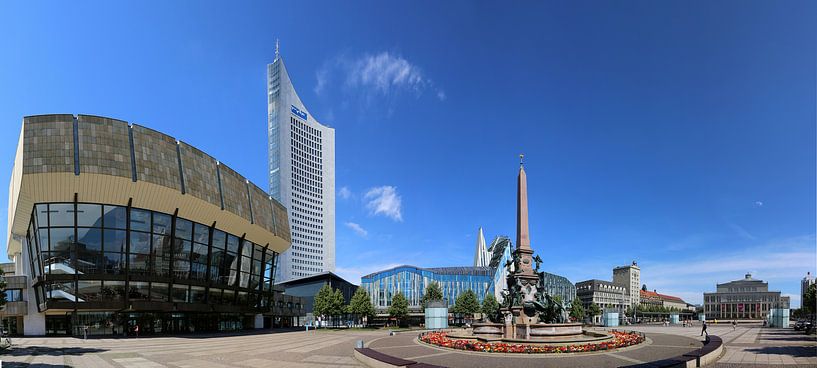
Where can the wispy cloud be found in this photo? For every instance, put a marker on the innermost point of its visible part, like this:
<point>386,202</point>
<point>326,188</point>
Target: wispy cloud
<point>344,192</point>
<point>381,74</point>
<point>357,229</point>
<point>384,201</point>
<point>743,233</point>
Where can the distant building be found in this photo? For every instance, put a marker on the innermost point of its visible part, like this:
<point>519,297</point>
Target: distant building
<point>804,284</point>
<point>630,278</point>
<point>412,281</point>
<point>307,287</point>
<point>500,251</point>
<point>607,295</point>
<point>560,286</point>
<point>648,298</point>
<point>481,255</point>
<point>743,299</point>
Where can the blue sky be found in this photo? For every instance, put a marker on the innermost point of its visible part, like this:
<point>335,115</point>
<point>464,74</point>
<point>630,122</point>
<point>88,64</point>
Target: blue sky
<point>678,134</point>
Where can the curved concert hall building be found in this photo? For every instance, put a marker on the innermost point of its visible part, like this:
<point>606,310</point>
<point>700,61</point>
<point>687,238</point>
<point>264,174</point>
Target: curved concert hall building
<point>115,225</point>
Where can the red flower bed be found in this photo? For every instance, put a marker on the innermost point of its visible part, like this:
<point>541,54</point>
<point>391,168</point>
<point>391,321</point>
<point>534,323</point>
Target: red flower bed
<point>620,340</point>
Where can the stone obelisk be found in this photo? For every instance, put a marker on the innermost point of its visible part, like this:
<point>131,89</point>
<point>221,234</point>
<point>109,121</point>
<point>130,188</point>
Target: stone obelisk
<point>525,278</point>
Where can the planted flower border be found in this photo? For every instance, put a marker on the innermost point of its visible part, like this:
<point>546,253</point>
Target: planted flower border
<point>620,340</point>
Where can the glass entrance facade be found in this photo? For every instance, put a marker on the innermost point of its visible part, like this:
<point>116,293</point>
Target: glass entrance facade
<point>138,267</point>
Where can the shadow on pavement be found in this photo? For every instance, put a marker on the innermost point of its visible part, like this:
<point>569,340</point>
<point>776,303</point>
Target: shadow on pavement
<point>45,350</point>
<point>795,351</point>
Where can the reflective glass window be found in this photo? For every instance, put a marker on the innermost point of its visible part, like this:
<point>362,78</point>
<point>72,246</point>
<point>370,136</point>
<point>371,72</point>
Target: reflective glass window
<point>139,264</point>
<point>114,240</point>
<point>62,214</point>
<point>139,243</point>
<point>219,237</point>
<point>197,294</point>
<point>232,244</point>
<point>180,294</point>
<point>61,291</point>
<point>43,238</point>
<point>138,290</point>
<point>114,263</point>
<point>89,215</point>
<point>198,271</point>
<point>158,292</point>
<point>89,291</point>
<point>215,296</point>
<point>201,234</point>
<point>139,219</point>
<point>184,228</point>
<point>199,253</point>
<point>181,269</point>
<point>89,262</point>
<point>62,239</point>
<point>42,215</point>
<point>114,217</point>
<point>89,239</point>
<point>161,223</point>
<point>242,298</point>
<point>228,297</point>
<point>181,249</point>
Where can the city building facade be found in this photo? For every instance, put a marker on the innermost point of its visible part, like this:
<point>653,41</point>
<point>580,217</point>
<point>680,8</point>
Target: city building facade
<point>748,298</point>
<point>607,295</point>
<point>301,176</point>
<point>114,226</point>
<point>500,252</point>
<point>481,255</point>
<point>804,285</point>
<point>412,281</point>
<point>630,277</point>
<point>653,298</point>
<point>308,286</point>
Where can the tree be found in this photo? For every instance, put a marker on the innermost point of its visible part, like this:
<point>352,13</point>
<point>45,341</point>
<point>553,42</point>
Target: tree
<point>576,310</point>
<point>433,293</point>
<point>594,310</point>
<point>467,303</point>
<point>490,307</point>
<point>322,305</point>
<point>361,305</point>
<point>399,307</point>
<point>3,299</point>
<point>337,305</point>
<point>809,303</point>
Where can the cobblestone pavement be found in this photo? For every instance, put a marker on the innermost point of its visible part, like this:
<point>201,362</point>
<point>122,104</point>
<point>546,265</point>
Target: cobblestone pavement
<point>753,345</point>
<point>290,349</point>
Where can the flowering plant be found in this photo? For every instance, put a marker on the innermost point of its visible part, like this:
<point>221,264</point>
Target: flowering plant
<point>620,340</point>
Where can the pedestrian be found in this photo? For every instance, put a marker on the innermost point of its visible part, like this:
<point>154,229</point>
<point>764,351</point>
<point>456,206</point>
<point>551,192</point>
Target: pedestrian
<point>85,332</point>
<point>136,329</point>
<point>703,329</point>
<point>734,324</point>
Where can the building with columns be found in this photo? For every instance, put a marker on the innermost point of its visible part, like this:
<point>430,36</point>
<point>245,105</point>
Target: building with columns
<point>747,298</point>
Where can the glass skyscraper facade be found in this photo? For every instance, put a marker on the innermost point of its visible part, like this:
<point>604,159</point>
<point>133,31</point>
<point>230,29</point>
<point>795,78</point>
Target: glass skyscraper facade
<point>301,176</point>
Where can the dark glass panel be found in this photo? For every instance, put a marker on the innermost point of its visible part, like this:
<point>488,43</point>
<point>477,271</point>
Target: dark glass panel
<point>138,290</point>
<point>245,280</point>
<point>216,259</point>
<point>184,228</point>
<point>62,214</point>
<point>215,296</point>
<point>89,261</point>
<point>113,290</point>
<point>42,215</point>
<point>242,298</point>
<point>232,244</point>
<point>198,271</point>
<point>43,239</point>
<point>199,253</point>
<point>114,263</point>
<point>114,217</point>
<point>89,291</point>
<point>228,297</point>
<point>219,237</point>
<point>139,264</point>
<point>233,270</point>
<point>197,294</point>
<point>161,265</point>
<point>139,220</point>
<point>61,291</point>
<point>89,239</point>
<point>180,294</point>
<point>158,292</point>
<point>256,268</point>
<point>181,249</point>
<point>161,245</point>
<point>254,281</point>
<point>181,269</point>
<point>201,234</point>
<point>114,240</point>
<point>89,215</point>
<point>139,243</point>
<point>62,239</point>
<point>161,223</point>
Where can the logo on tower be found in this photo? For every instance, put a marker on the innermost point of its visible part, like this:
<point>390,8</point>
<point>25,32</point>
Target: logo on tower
<point>297,112</point>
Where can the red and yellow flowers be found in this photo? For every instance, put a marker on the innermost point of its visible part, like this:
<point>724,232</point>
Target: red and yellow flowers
<point>620,340</point>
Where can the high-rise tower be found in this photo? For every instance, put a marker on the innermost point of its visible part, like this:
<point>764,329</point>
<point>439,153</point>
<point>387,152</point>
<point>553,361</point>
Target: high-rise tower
<point>481,256</point>
<point>302,176</point>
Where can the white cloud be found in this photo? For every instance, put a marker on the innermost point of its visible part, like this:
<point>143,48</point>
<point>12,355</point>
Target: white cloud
<point>357,229</point>
<point>384,201</point>
<point>758,204</point>
<point>344,192</point>
<point>375,74</point>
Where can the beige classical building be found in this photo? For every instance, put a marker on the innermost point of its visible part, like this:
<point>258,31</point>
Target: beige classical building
<point>747,298</point>
<point>115,225</point>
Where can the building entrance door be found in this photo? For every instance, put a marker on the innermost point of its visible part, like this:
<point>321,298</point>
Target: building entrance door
<point>58,325</point>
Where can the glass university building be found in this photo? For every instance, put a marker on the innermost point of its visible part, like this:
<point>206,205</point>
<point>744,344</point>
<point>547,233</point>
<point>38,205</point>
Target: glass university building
<point>118,226</point>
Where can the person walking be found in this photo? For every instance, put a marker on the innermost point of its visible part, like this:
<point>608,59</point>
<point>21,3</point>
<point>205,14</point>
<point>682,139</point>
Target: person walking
<point>734,324</point>
<point>703,329</point>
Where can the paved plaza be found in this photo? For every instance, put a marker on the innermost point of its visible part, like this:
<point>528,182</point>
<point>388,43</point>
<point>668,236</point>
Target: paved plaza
<point>747,346</point>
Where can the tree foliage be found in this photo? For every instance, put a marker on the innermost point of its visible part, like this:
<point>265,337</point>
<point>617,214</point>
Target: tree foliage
<point>467,303</point>
<point>361,305</point>
<point>3,300</point>
<point>809,304</point>
<point>432,293</point>
<point>321,305</point>
<point>594,310</point>
<point>490,306</point>
<point>576,310</point>
<point>399,307</point>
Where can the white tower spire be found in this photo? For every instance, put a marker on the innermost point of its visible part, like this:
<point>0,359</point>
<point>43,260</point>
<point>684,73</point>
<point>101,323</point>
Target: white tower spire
<point>277,49</point>
<point>481,257</point>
